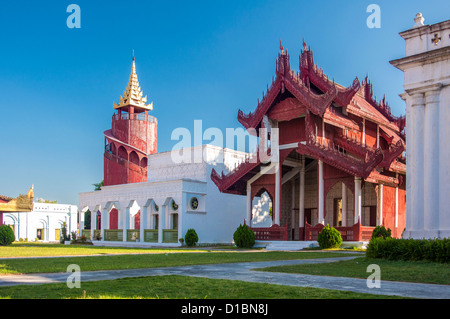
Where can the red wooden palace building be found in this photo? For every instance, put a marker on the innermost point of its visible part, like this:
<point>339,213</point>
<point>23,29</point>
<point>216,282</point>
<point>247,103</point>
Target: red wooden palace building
<point>339,159</point>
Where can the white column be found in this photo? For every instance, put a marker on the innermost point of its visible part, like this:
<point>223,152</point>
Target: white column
<point>248,218</point>
<point>125,222</point>
<point>143,221</point>
<point>378,136</point>
<point>417,165</point>
<point>344,205</point>
<point>277,209</point>
<point>320,198</point>
<point>431,162</point>
<point>80,222</point>
<point>162,222</point>
<point>301,204</point>
<point>93,220</point>
<point>357,199</point>
<point>380,205</point>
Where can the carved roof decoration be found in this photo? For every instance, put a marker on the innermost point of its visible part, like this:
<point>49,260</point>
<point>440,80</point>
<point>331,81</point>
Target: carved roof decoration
<point>23,203</point>
<point>310,93</point>
<point>133,95</point>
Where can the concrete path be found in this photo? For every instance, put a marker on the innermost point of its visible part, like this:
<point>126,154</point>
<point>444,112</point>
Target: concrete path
<point>244,272</point>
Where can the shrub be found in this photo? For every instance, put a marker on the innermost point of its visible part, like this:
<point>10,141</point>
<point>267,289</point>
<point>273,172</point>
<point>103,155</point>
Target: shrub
<point>191,238</point>
<point>244,237</point>
<point>329,237</point>
<point>381,231</point>
<point>436,250</point>
<point>6,235</point>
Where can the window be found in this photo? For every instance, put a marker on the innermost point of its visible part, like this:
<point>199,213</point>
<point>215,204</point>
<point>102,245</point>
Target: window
<point>194,203</point>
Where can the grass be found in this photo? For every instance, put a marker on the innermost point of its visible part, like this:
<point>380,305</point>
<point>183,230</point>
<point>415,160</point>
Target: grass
<point>22,249</point>
<point>92,263</point>
<point>177,287</point>
<point>410,271</point>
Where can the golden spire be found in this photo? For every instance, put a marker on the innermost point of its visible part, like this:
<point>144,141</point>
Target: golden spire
<point>133,95</point>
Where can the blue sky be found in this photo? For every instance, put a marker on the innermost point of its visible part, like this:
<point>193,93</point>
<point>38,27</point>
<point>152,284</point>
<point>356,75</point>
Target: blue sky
<point>195,60</point>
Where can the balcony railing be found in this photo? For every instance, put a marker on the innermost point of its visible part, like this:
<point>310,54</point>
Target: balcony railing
<point>134,116</point>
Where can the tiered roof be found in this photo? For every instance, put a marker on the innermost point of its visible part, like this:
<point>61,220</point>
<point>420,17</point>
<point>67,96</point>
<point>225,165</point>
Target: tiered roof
<point>311,92</point>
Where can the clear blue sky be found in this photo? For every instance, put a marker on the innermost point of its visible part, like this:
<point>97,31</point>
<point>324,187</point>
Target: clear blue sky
<point>195,60</point>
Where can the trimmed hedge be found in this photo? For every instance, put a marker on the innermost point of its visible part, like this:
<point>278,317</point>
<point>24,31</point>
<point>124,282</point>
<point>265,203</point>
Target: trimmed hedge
<point>329,237</point>
<point>244,237</point>
<point>6,235</point>
<point>191,238</point>
<point>436,250</point>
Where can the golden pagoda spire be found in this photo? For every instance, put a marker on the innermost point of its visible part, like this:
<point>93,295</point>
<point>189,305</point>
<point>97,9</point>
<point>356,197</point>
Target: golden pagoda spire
<point>133,95</point>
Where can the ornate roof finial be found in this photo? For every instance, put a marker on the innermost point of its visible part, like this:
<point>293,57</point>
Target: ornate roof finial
<point>133,95</point>
<point>304,44</point>
<point>418,20</point>
<point>281,48</point>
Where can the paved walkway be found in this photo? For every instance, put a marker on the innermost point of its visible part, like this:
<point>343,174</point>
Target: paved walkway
<point>244,272</point>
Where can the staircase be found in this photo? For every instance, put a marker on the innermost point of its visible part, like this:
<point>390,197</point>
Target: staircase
<point>287,245</point>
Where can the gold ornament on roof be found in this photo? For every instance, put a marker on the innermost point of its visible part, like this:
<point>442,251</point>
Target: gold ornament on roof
<point>133,95</point>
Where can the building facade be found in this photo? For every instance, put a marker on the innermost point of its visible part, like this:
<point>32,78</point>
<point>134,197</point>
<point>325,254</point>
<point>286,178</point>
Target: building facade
<point>426,68</point>
<point>43,222</point>
<point>327,154</point>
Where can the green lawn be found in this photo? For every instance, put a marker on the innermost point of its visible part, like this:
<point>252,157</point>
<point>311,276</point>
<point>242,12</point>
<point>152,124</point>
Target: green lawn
<point>411,271</point>
<point>91,263</point>
<point>177,287</point>
<point>21,249</point>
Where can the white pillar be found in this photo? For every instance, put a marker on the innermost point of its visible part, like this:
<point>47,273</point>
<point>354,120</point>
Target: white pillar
<point>357,199</point>
<point>431,161</point>
<point>162,222</point>
<point>344,205</point>
<point>320,198</point>
<point>417,165</point>
<point>125,222</point>
<point>143,221</point>
<point>277,209</point>
<point>93,221</point>
<point>301,204</point>
<point>248,218</point>
<point>380,205</point>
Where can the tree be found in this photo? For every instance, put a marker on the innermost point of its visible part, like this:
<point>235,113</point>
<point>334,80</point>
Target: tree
<point>98,186</point>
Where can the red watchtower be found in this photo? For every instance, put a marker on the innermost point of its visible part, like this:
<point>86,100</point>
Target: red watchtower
<point>131,139</point>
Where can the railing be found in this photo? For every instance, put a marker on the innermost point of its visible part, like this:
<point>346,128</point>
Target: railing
<point>170,236</point>
<point>133,234</point>
<point>134,116</point>
<point>113,235</point>
<point>150,235</point>
<point>273,232</point>
<point>86,233</point>
<point>356,232</point>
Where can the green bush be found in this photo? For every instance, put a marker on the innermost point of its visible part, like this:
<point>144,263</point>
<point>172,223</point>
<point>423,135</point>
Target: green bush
<point>381,231</point>
<point>329,237</point>
<point>244,237</point>
<point>436,250</point>
<point>6,235</point>
<point>191,238</point>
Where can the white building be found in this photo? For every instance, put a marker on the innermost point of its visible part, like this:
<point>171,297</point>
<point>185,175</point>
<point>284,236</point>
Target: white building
<point>426,68</point>
<point>43,223</point>
<point>176,197</point>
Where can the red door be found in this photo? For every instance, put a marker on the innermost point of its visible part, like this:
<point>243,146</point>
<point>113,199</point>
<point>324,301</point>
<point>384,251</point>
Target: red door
<point>113,219</point>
